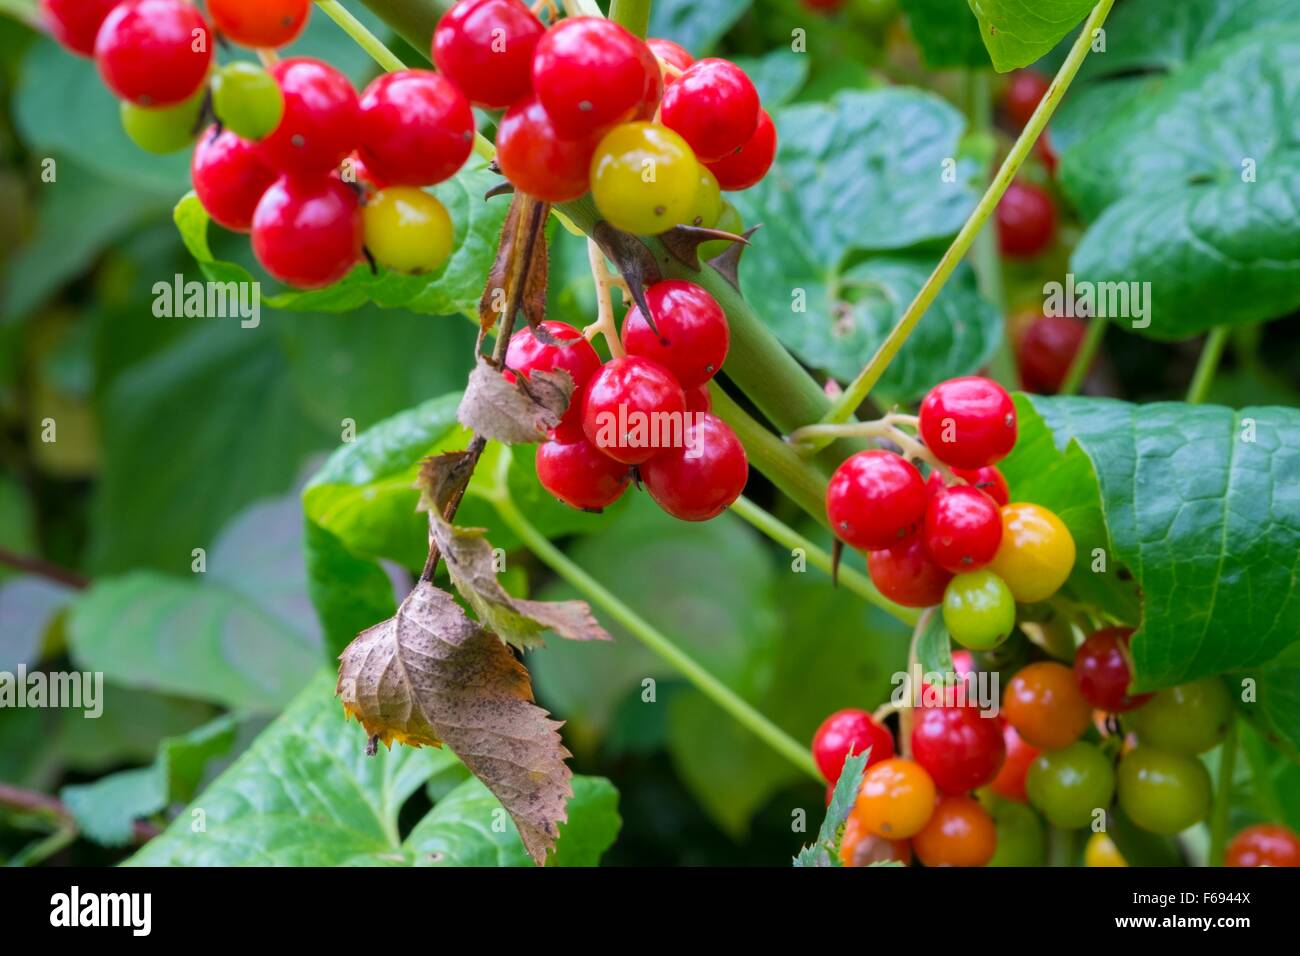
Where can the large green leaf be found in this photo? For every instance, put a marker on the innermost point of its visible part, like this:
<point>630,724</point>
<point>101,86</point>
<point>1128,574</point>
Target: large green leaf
<point>1277,700</point>
<point>1184,184</point>
<point>696,26</point>
<point>947,33</point>
<point>306,794</point>
<point>1018,32</point>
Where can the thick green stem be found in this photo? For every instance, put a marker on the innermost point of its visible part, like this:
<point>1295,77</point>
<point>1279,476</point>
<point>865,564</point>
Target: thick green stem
<point>1208,364</point>
<point>665,649</point>
<point>861,386</point>
<point>1084,357</point>
<point>1223,796</point>
<point>634,15</point>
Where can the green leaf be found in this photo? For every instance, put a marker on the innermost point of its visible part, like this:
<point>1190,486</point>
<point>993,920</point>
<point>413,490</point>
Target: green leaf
<point>694,25</point>
<point>778,75</point>
<point>1276,706</point>
<point>28,604</point>
<point>825,852</point>
<point>1018,32</point>
<point>1198,221</point>
<point>933,645</point>
<point>947,33</point>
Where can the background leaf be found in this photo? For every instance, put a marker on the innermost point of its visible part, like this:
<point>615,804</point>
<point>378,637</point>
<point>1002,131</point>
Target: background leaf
<point>947,32</point>
<point>1018,32</point>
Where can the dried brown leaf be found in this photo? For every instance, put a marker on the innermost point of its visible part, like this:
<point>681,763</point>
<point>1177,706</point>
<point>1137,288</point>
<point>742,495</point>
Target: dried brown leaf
<point>634,262</point>
<point>521,253</point>
<point>514,413</point>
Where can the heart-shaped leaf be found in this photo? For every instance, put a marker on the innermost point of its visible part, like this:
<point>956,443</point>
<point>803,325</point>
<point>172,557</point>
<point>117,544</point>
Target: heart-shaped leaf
<point>1018,32</point>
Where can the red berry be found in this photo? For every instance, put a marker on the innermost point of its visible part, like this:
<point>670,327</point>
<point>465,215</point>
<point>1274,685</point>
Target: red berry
<point>260,23</point>
<point>960,748</point>
<point>307,230</point>
<point>750,163</point>
<point>672,54</point>
<point>701,479</point>
<point>906,575</point>
<point>698,399</point>
<point>228,178</point>
<point>1026,218</point>
<point>968,422</point>
<point>847,730</point>
<point>590,73</point>
<point>527,354</point>
<point>154,53</point>
<point>75,23</point>
<point>875,499</point>
<point>1023,93</point>
<point>1101,666</point>
<point>714,107</point>
<point>537,160</point>
<point>988,480</point>
<point>486,48</point>
<point>361,173</point>
<point>963,662</point>
<point>634,409</point>
<point>963,528</point>
<point>692,331</point>
<point>1047,153</point>
<point>321,122</point>
<point>581,475</point>
<point>1046,351</point>
<point>416,128</point>
<point>1265,844</point>
<point>1010,781</point>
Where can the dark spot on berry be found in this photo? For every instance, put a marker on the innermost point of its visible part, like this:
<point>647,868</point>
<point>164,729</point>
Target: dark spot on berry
<point>298,140</point>
<point>660,210</point>
<point>585,106</point>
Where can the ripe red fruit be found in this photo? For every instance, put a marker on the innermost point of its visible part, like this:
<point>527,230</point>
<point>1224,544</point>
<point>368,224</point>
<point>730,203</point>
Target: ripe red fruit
<point>321,122</point>
<point>714,107</point>
<point>1046,350</point>
<point>672,54</point>
<point>590,73</point>
<point>1265,844</point>
<point>1026,218</point>
<point>701,479</point>
<point>228,178</point>
<point>307,230</point>
<point>968,422</point>
<point>486,48</point>
<point>1010,781</point>
<point>153,53</point>
<point>416,128</point>
<point>1023,93</point>
<point>906,575</point>
<point>988,480</point>
<point>581,475</point>
<point>527,354</point>
<point>537,159</point>
<point>959,833</point>
<point>692,330</point>
<point>875,499</point>
<point>75,23</point>
<point>1101,667</point>
<point>698,399</point>
<point>846,730</point>
<point>959,748</point>
<point>260,24</point>
<point>634,409</point>
<point>963,528</point>
<point>750,163</point>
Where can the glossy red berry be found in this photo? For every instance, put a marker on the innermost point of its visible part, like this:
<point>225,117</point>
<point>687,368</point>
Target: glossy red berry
<point>486,48</point>
<point>988,480</point>
<point>750,163</point>
<point>307,231</point>
<point>700,479</point>
<point>260,24</point>
<point>75,23</point>
<point>634,409</point>
<point>590,73</point>
<point>228,178</point>
<point>1046,351</point>
<point>959,747</point>
<point>672,54</point>
<point>691,334</point>
<point>963,528</point>
<point>1010,781</point>
<point>154,52</point>
<point>846,730</point>
<point>1101,666</point>
<point>875,499</point>
<point>1265,844</point>
<point>698,399</point>
<point>416,128</point>
<point>537,159</point>
<point>906,575</point>
<point>321,123</point>
<point>968,422</point>
<point>1026,218</point>
<point>1023,93</point>
<point>527,354</point>
<point>581,475</point>
<point>714,107</point>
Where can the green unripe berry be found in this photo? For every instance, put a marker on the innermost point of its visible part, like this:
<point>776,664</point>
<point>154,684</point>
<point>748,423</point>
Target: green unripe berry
<point>979,610</point>
<point>728,221</point>
<point>1021,840</point>
<point>1163,792</point>
<point>1068,786</point>
<point>1188,719</point>
<point>247,100</point>
<point>165,130</point>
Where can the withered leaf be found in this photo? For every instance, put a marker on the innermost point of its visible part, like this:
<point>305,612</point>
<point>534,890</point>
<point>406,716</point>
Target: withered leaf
<point>514,413</point>
<point>728,263</point>
<point>429,675</point>
<point>634,262</point>
<point>521,255</point>
<point>683,242</point>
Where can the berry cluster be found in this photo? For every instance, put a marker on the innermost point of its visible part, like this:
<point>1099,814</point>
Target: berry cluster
<point>653,135</point>
<point>644,413</point>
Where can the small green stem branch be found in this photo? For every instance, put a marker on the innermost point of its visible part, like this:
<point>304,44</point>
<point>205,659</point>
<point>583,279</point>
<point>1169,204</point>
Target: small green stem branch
<point>1208,364</point>
<point>632,15</point>
<point>1084,357</point>
<point>662,646</point>
<point>861,386</point>
<point>1223,796</point>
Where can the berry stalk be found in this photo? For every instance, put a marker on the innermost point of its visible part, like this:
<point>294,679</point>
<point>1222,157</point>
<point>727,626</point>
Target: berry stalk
<point>1083,357</point>
<point>1223,796</point>
<point>1207,365</point>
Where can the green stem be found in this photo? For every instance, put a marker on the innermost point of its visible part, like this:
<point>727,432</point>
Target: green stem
<point>852,579</point>
<point>412,20</point>
<point>1061,847</point>
<point>1084,357</point>
<point>633,15</point>
<point>1223,796</point>
<point>665,649</point>
<point>1208,364</point>
<point>861,386</point>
